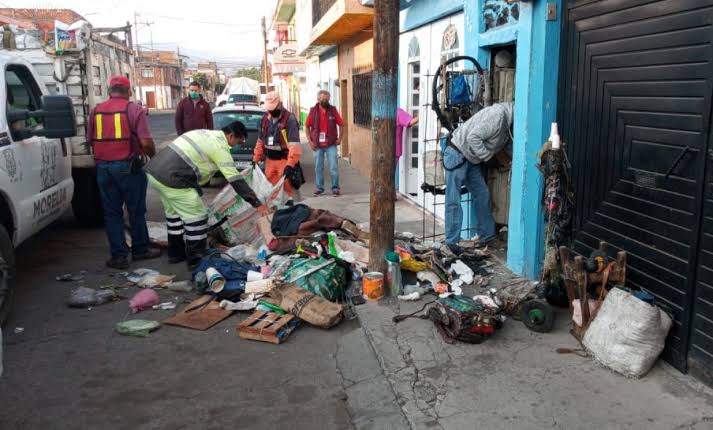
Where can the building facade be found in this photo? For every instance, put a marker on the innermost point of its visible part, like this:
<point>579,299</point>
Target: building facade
<point>159,79</point>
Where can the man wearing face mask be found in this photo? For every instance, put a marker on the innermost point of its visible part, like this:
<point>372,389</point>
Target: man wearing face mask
<point>193,112</point>
<point>325,128</point>
<point>279,142</point>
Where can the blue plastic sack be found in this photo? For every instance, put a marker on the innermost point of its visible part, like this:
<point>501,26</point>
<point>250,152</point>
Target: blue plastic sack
<point>460,91</point>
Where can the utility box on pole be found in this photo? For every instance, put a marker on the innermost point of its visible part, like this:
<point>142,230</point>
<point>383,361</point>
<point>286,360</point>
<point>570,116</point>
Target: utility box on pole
<point>383,132</point>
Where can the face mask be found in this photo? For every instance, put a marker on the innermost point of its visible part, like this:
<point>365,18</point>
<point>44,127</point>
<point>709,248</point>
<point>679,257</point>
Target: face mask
<point>275,113</point>
<point>194,95</point>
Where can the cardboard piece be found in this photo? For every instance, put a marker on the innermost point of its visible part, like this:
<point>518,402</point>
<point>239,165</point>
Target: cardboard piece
<point>202,318</point>
<point>306,306</point>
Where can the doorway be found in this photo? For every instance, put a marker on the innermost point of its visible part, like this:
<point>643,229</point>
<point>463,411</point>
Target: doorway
<point>411,147</point>
<point>344,111</point>
<point>150,99</point>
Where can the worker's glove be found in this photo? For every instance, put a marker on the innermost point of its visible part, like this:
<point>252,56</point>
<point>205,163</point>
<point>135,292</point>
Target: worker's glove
<point>288,171</point>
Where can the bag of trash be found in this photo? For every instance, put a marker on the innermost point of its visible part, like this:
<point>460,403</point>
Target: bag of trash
<point>138,328</point>
<point>308,307</point>
<point>323,277</point>
<point>144,299</point>
<point>627,334</point>
<point>83,297</point>
<point>234,272</point>
<point>242,217</point>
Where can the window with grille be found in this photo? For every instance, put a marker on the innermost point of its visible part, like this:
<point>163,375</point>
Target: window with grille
<point>361,96</point>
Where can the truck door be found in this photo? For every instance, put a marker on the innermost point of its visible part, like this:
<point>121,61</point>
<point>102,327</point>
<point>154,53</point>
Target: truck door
<point>43,172</point>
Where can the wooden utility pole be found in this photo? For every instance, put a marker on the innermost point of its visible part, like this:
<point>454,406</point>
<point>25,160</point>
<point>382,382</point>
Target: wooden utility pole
<point>383,131</point>
<point>265,73</point>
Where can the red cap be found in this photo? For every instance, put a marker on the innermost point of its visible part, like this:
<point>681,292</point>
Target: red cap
<point>119,81</point>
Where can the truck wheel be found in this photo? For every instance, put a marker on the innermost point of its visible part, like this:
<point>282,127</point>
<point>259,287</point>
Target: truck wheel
<point>7,274</point>
<point>86,203</point>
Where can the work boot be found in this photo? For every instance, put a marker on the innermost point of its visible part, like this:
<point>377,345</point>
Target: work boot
<point>119,262</point>
<point>194,252</point>
<point>150,254</point>
<point>176,249</point>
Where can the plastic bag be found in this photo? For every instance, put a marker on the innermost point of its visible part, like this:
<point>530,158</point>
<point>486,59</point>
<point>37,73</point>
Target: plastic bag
<point>434,174</point>
<point>138,328</point>
<point>242,217</point>
<point>144,299</point>
<point>627,334</point>
<point>83,297</point>
<point>328,282</point>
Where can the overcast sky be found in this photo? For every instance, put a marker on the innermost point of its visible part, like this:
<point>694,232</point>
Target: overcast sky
<point>222,30</point>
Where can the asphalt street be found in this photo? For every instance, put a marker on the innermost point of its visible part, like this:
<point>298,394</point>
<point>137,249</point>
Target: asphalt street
<point>67,368</point>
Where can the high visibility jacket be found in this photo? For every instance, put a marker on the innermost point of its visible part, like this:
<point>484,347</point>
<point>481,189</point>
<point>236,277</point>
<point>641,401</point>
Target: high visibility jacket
<point>112,131</point>
<point>207,152</point>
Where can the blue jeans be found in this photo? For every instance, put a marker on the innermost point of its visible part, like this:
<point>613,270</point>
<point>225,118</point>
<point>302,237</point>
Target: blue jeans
<point>333,158</point>
<point>471,176</point>
<point>119,187</point>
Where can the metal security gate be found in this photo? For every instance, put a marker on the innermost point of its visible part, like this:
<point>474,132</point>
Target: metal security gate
<point>636,81</point>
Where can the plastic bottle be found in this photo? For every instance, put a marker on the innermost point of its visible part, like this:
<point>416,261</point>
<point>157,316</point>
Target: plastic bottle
<point>393,274</point>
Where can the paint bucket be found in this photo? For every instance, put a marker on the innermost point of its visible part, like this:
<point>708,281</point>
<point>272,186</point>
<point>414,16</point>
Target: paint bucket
<point>216,281</point>
<point>373,286</point>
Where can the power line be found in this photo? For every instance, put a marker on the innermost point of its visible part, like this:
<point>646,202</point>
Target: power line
<point>195,21</point>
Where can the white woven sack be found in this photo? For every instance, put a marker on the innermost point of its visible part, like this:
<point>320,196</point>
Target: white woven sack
<point>627,334</point>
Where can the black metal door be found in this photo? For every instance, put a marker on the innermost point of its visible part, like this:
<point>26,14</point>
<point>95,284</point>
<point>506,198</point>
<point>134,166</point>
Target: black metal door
<point>636,81</point>
<point>700,357</point>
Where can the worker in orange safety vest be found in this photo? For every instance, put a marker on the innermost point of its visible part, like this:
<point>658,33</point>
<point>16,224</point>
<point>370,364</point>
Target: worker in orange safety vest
<point>279,142</point>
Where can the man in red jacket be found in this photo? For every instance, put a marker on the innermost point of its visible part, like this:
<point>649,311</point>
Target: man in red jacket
<point>324,128</point>
<point>193,112</point>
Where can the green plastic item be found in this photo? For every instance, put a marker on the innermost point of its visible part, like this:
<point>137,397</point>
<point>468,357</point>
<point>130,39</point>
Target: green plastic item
<point>331,236</point>
<point>138,328</point>
<point>392,257</point>
<point>328,282</point>
<point>272,307</point>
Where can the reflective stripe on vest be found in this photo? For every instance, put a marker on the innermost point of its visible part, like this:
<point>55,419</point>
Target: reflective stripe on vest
<point>112,140</point>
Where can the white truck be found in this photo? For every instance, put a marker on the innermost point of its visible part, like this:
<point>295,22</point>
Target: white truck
<point>240,90</point>
<point>46,164</point>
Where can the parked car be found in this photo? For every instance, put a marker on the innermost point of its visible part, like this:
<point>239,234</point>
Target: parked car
<point>250,115</point>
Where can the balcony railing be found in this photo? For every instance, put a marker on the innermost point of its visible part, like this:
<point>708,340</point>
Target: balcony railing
<point>320,8</point>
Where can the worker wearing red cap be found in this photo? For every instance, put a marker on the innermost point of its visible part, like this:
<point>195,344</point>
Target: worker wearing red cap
<point>118,130</point>
<point>279,142</point>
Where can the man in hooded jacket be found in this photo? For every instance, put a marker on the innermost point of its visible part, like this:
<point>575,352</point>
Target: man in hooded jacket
<point>473,144</point>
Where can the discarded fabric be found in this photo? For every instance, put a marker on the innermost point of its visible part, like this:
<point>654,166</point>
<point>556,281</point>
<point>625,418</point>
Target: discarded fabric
<point>464,272</point>
<point>411,296</point>
<point>138,328</point>
<point>71,277</point>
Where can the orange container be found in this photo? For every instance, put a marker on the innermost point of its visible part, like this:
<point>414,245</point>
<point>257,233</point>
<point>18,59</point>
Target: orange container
<point>373,286</point>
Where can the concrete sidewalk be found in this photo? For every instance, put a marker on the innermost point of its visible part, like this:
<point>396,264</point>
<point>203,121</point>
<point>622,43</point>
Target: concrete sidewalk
<point>515,380</point>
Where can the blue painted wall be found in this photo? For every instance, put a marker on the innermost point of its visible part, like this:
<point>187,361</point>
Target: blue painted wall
<point>422,12</point>
<point>537,44</point>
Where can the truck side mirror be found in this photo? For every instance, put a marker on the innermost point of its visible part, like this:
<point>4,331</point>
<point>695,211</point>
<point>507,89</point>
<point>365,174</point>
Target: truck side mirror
<point>58,119</point>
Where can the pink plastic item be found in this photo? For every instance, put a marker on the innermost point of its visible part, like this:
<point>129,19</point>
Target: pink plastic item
<point>144,299</point>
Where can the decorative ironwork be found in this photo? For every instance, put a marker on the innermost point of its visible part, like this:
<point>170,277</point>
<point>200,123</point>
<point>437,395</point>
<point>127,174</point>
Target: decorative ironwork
<point>320,8</point>
<point>361,95</point>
